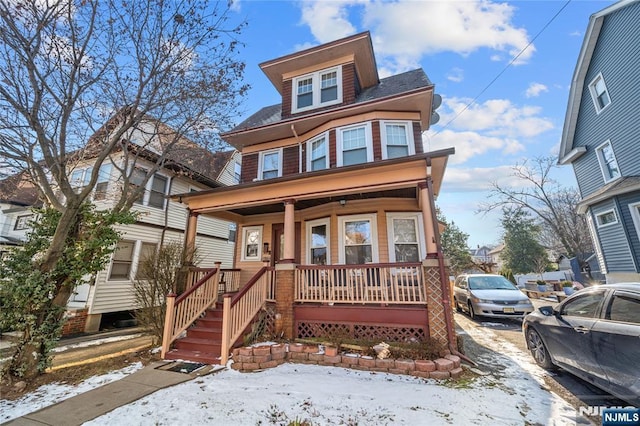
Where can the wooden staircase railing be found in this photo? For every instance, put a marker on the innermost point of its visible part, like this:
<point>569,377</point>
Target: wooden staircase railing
<point>240,309</point>
<point>185,309</point>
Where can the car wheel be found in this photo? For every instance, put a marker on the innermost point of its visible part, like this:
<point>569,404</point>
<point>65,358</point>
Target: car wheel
<point>455,302</point>
<point>472,313</point>
<point>538,349</point>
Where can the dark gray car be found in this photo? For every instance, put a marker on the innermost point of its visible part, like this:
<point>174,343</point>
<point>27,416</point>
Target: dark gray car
<point>595,335</point>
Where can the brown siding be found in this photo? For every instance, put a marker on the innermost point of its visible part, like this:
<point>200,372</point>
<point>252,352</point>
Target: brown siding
<point>290,161</point>
<point>348,84</point>
<point>377,141</point>
<point>417,137</point>
<point>332,148</point>
<point>249,167</point>
<point>286,98</point>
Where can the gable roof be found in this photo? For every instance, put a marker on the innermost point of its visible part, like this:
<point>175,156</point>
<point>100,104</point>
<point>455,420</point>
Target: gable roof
<point>567,153</point>
<point>17,190</point>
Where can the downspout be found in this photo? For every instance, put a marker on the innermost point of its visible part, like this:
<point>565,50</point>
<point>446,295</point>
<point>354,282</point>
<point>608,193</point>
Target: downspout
<point>166,215</point>
<point>444,283</point>
<point>293,129</point>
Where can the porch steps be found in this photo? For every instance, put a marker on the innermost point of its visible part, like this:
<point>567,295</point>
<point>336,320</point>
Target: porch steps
<point>203,340</point>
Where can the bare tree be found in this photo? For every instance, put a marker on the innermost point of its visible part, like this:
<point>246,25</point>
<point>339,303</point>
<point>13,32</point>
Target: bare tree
<point>82,80</point>
<point>555,206</point>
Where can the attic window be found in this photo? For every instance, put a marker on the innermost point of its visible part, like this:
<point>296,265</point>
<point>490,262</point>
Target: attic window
<point>317,89</point>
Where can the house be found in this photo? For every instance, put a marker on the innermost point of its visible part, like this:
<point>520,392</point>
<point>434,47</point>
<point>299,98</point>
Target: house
<point>495,256</point>
<point>108,298</point>
<point>337,232</point>
<point>17,196</point>
<point>600,137</point>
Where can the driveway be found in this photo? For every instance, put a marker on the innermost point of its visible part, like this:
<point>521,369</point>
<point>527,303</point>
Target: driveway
<point>498,333</point>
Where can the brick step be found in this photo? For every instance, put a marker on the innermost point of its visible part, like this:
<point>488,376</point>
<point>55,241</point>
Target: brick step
<point>195,356</point>
<point>195,344</point>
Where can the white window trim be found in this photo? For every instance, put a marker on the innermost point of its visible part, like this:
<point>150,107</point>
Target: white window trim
<point>134,250</point>
<point>596,244</point>
<point>245,230</point>
<point>594,95</point>
<point>316,86</point>
<point>374,235</point>
<point>601,225</point>
<point>603,165</point>
<point>324,135</point>
<point>635,216</point>
<point>368,141</point>
<point>417,216</point>
<point>318,222</point>
<point>261,158</point>
<point>408,127</point>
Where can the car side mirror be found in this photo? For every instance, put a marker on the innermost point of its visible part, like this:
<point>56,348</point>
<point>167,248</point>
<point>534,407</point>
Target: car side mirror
<point>547,311</point>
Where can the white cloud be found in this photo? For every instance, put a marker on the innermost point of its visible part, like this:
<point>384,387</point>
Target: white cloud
<point>234,5</point>
<point>456,75</point>
<point>444,26</point>
<point>327,20</point>
<point>476,179</point>
<point>470,144</point>
<point>495,117</point>
<point>576,34</point>
<point>535,89</point>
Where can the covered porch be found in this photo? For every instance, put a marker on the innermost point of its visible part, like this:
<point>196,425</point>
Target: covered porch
<point>364,238</point>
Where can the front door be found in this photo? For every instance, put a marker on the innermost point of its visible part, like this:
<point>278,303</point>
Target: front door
<point>277,242</point>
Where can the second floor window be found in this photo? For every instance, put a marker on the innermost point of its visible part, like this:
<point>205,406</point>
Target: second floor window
<point>270,164</point>
<point>608,163</point>
<point>317,89</point>
<point>317,149</point>
<point>354,145</point>
<point>599,93</point>
<point>237,170</point>
<point>155,190</point>
<point>397,139</point>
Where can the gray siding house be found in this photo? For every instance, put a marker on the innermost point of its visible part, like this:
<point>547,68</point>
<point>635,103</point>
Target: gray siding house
<point>601,137</point>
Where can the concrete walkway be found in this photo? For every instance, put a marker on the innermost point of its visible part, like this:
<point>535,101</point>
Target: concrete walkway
<point>99,401</point>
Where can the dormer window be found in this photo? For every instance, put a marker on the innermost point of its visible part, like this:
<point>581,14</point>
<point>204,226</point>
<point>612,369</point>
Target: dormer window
<point>318,89</point>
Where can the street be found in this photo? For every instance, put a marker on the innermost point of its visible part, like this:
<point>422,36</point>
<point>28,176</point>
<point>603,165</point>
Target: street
<point>573,389</point>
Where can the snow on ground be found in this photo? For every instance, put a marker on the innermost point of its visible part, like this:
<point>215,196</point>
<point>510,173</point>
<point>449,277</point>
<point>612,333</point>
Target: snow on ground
<point>512,393</point>
<point>53,393</point>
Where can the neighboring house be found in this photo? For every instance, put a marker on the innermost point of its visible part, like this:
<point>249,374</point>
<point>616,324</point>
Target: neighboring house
<point>496,257</point>
<point>17,196</point>
<point>601,135</point>
<point>109,296</point>
<point>335,205</point>
<point>481,254</point>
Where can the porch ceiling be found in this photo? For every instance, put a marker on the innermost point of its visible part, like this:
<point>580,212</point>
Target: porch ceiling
<point>397,178</point>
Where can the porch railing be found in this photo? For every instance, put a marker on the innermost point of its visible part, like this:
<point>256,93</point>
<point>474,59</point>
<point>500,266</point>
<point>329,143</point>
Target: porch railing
<point>240,309</point>
<point>229,280</point>
<point>183,310</point>
<point>387,283</point>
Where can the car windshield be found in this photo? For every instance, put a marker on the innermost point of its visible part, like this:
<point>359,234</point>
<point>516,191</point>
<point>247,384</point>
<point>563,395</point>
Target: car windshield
<point>490,283</point>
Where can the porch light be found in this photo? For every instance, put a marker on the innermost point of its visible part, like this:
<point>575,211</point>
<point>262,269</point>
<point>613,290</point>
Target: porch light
<point>265,248</point>
<point>343,202</point>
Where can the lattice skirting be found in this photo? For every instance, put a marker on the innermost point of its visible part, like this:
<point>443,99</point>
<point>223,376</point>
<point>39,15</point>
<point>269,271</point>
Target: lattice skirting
<point>367,332</point>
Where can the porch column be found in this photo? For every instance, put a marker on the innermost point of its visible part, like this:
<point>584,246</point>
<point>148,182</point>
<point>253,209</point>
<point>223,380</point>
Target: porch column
<point>289,250</point>
<point>285,297</point>
<point>190,237</point>
<point>427,220</point>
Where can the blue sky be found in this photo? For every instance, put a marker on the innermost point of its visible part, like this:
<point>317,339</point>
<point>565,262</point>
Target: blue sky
<point>462,46</point>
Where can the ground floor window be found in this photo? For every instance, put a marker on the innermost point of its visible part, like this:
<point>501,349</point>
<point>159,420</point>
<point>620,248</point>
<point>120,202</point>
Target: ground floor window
<point>358,239</point>
<point>122,260</point>
<point>405,242</point>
